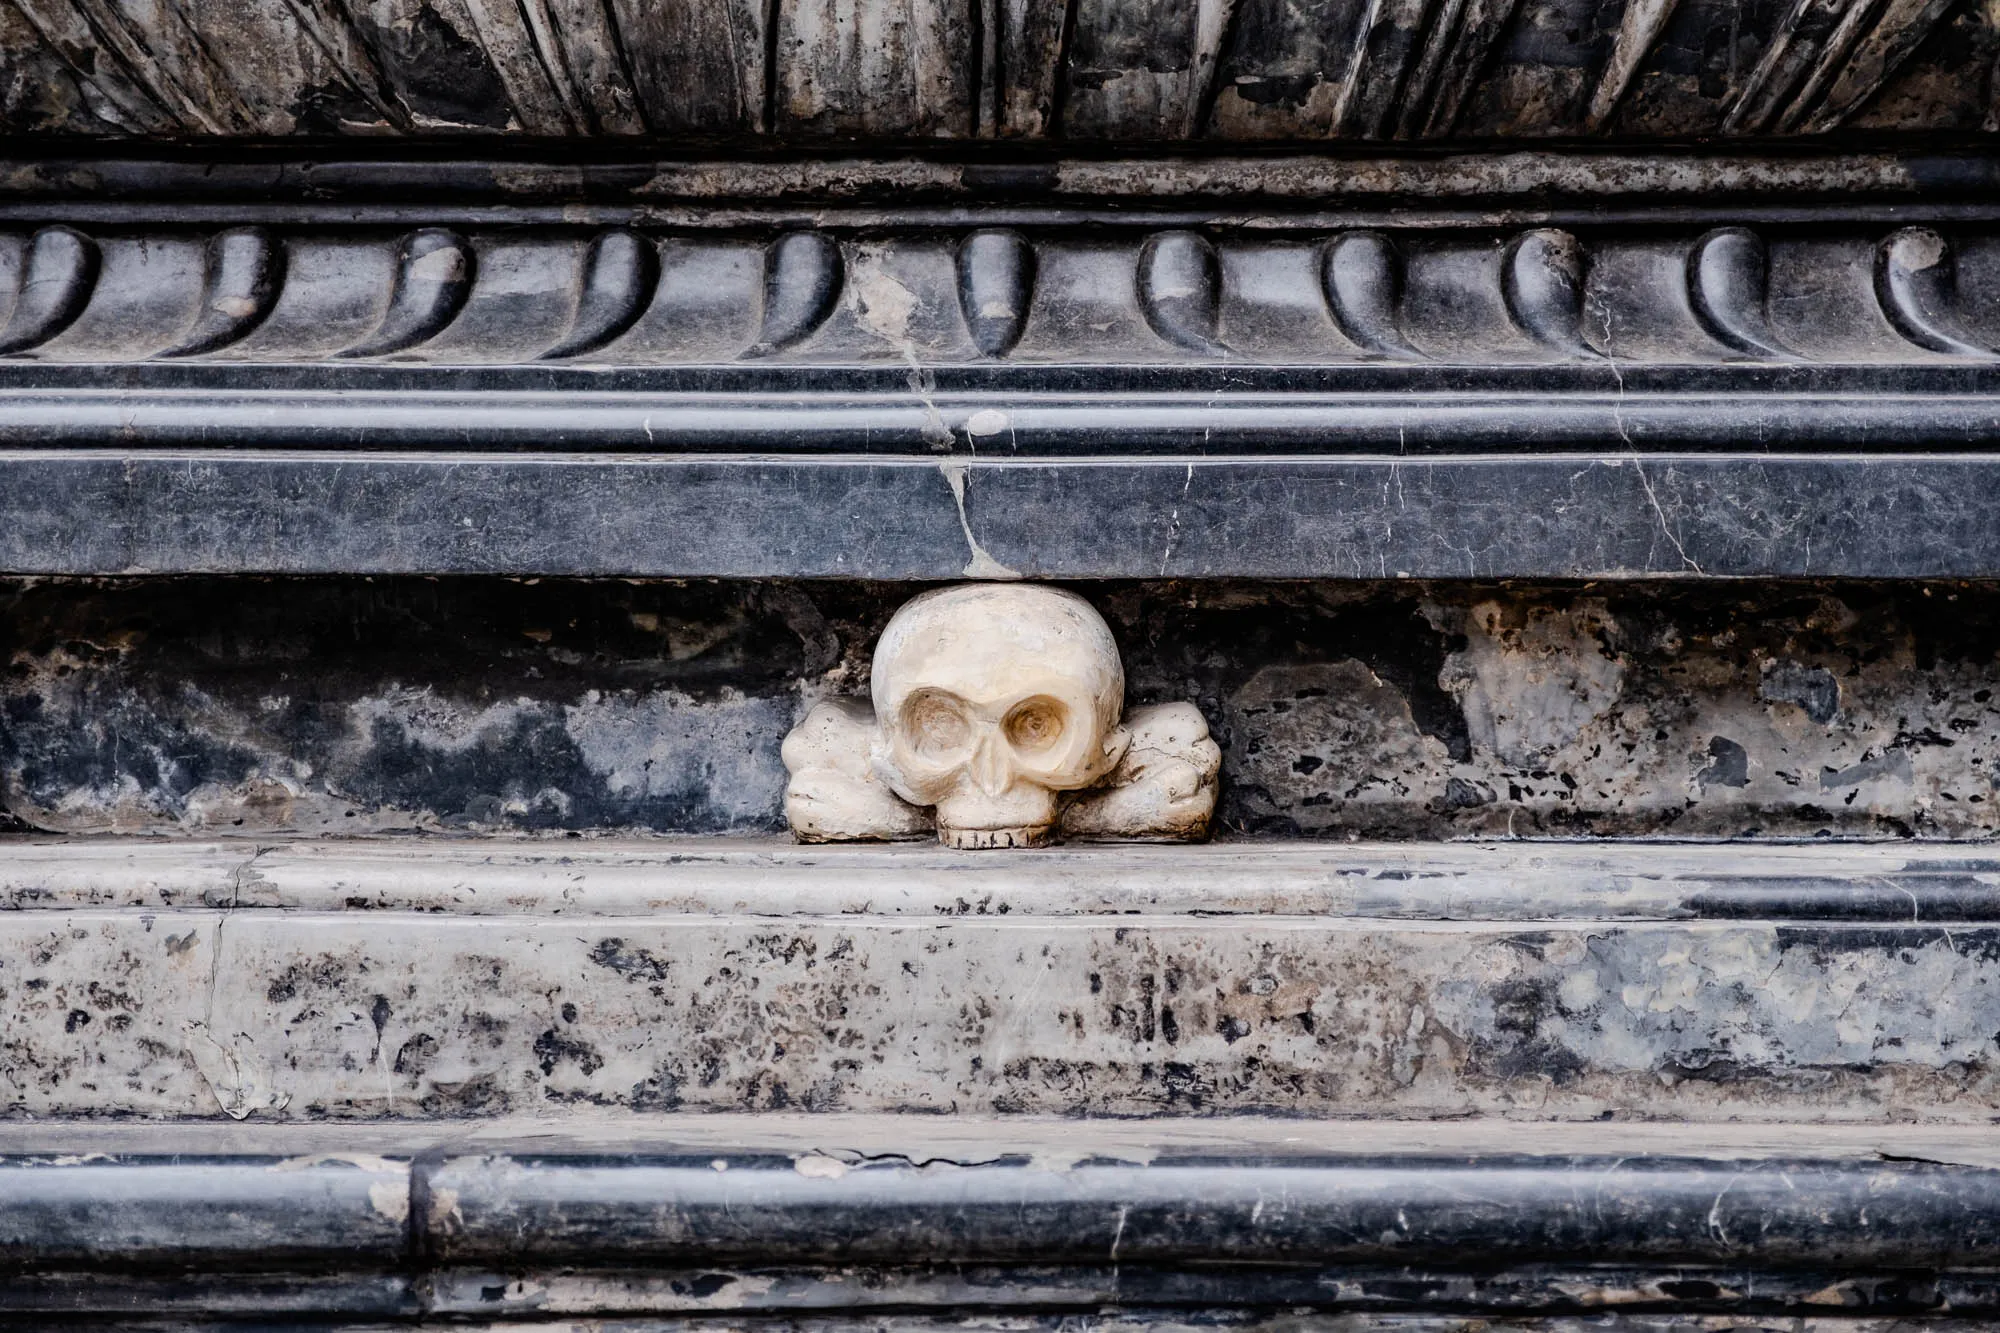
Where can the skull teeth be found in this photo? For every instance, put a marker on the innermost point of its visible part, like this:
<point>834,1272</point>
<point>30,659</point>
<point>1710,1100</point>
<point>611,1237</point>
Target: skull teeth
<point>981,839</point>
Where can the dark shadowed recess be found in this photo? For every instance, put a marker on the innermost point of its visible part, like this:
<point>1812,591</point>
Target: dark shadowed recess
<point>1344,709</point>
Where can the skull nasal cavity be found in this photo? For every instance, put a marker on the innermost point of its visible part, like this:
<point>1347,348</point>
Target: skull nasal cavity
<point>1036,724</point>
<point>936,724</point>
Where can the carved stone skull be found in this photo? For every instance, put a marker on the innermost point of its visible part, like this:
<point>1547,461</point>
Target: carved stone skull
<point>992,699</point>
<point>996,723</point>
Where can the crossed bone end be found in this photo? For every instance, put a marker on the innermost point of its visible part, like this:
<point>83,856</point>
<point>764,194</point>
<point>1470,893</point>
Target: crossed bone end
<point>835,794</point>
<point>1163,790</point>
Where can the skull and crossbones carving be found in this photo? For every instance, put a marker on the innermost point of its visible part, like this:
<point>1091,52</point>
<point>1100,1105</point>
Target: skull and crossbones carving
<point>999,721</point>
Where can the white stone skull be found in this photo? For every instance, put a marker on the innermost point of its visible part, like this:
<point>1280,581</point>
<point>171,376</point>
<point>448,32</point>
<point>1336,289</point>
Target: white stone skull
<point>992,699</point>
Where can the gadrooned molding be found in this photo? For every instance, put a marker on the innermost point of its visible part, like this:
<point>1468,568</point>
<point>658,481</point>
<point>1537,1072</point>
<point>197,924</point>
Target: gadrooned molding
<point>996,284</point>
<point>999,719</point>
<point>1728,278</point>
<point>620,272</point>
<point>242,276</point>
<point>1362,275</point>
<point>55,277</point>
<point>1445,297</point>
<point>433,276</point>
<point>1542,282</point>
<point>1916,280</point>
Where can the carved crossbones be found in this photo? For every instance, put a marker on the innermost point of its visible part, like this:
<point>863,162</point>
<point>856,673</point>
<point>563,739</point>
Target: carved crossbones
<point>999,721</point>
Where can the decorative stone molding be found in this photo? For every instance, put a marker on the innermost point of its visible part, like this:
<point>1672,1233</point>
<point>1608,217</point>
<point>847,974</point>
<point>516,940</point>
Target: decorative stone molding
<point>1365,303</point>
<point>999,720</point>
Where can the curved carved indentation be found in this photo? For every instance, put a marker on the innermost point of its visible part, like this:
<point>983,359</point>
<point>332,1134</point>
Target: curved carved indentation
<point>245,271</point>
<point>1180,290</point>
<point>1541,279</point>
<point>434,270</point>
<point>58,275</point>
<point>802,278</point>
<point>1727,279</point>
<point>1361,274</point>
<point>1916,281</point>
<point>996,283</point>
<point>619,275</point>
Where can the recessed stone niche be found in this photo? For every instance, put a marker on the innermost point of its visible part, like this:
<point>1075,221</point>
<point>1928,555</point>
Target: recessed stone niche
<point>1362,709</point>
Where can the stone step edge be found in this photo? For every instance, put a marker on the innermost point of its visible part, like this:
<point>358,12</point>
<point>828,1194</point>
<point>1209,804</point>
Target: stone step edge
<point>1503,881</point>
<point>654,1206</point>
<point>1046,1142</point>
<point>741,1215</point>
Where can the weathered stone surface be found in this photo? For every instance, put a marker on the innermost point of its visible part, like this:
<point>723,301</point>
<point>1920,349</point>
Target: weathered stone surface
<point>1122,71</point>
<point>1369,710</point>
<point>458,981</point>
<point>807,324</point>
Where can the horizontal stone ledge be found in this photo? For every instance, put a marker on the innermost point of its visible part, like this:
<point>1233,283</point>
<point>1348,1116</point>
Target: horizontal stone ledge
<point>335,1297</point>
<point>1393,1298</point>
<point>1618,515</point>
<point>1389,1298</point>
<point>303,177</point>
<point>816,1210</point>
<point>841,1215</point>
<point>1355,415</point>
<point>252,1213</point>
<point>1044,1142</point>
<point>433,981</point>
<point>1052,1199</point>
<point>1896,883</point>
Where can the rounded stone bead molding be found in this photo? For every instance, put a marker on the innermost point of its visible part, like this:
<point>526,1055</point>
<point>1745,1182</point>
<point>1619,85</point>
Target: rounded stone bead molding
<point>999,720</point>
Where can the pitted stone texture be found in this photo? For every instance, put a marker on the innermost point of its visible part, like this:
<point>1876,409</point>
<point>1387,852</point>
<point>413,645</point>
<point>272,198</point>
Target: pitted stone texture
<point>1342,710</point>
<point>304,1016</point>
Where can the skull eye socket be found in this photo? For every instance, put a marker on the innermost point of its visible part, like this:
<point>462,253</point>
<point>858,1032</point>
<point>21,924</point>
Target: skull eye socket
<point>936,725</point>
<point>1036,725</point>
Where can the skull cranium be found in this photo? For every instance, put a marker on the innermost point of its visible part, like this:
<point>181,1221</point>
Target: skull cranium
<point>992,700</point>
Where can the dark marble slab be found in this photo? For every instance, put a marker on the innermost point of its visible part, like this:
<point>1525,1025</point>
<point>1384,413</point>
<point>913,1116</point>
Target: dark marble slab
<point>1592,516</point>
<point>829,1239</point>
